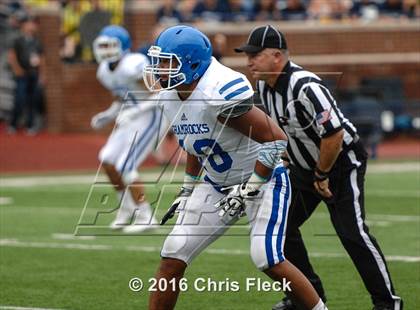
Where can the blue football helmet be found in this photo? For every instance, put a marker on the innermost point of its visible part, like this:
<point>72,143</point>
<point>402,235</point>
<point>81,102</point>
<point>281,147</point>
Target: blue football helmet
<point>111,44</point>
<point>181,55</point>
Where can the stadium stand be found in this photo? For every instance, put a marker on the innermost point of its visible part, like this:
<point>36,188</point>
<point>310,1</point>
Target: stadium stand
<point>338,47</point>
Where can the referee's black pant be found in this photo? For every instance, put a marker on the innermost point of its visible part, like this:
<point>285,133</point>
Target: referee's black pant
<point>347,215</point>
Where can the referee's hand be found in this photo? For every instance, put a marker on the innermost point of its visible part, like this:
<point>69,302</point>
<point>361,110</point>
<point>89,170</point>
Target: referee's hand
<point>322,188</point>
<point>321,183</point>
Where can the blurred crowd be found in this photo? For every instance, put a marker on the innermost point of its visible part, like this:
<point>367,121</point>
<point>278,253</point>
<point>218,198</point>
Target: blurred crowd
<point>22,86</point>
<point>21,51</point>
<point>22,61</point>
<point>81,22</point>
<point>82,19</point>
<point>190,11</point>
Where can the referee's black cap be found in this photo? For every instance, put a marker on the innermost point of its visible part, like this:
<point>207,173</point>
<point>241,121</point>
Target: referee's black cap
<point>261,38</point>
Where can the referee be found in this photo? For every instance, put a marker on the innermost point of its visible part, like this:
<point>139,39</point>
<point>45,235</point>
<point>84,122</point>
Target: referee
<point>327,163</point>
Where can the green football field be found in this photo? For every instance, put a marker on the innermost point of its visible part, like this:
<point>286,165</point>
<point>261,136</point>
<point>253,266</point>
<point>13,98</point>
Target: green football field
<point>44,265</point>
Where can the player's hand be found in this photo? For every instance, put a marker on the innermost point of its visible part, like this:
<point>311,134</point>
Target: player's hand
<point>234,202</point>
<point>100,120</point>
<point>178,204</point>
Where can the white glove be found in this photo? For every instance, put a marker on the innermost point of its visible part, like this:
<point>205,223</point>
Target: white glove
<point>103,118</point>
<point>178,204</point>
<point>234,202</point>
<point>100,120</point>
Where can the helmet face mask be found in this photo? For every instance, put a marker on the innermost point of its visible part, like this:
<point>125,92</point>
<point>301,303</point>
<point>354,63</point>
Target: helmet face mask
<point>111,44</point>
<point>164,70</point>
<point>107,48</point>
<point>181,55</point>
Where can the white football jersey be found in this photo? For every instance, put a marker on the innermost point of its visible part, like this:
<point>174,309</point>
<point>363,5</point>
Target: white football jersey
<point>227,155</point>
<point>123,81</point>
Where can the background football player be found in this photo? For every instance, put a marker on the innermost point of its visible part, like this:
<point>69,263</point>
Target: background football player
<point>137,127</point>
<point>211,113</point>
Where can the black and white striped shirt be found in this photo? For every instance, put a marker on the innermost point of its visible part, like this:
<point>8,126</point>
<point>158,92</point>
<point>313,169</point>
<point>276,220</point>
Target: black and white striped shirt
<point>305,109</point>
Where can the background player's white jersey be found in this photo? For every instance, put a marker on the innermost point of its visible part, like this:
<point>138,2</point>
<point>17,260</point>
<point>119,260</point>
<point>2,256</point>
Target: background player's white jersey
<point>140,125</point>
<point>124,79</point>
<point>228,156</point>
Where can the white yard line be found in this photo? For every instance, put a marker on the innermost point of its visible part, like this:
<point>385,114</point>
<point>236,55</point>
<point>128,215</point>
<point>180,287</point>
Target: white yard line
<point>60,236</point>
<point>151,249</point>
<point>47,180</point>
<point>394,167</point>
<point>372,217</point>
<point>31,181</point>
<point>4,201</point>
<point>80,179</point>
<point>54,245</point>
<point>378,223</point>
<point>24,308</point>
<point>393,193</point>
<point>375,217</point>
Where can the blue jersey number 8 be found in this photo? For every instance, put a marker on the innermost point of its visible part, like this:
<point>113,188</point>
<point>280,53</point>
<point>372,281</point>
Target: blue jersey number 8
<point>217,151</point>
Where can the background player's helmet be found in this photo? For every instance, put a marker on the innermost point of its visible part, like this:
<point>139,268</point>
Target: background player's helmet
<point>111,44</point>
<point>188,52</point>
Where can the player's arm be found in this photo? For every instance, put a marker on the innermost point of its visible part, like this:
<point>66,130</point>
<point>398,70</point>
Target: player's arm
<point>255,124</point>
<point>107,116</point>
<point>193,167</point>
<point>258,126</point>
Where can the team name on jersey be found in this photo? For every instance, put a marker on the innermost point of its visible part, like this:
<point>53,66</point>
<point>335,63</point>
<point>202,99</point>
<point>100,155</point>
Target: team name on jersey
<point>190,129</point>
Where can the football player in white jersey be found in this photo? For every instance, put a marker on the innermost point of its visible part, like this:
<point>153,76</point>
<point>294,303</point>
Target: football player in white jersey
<point>137,127</point>
<point>237,147</point>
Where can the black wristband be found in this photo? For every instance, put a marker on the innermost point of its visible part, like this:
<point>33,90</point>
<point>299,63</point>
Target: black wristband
<point>320,175</point>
